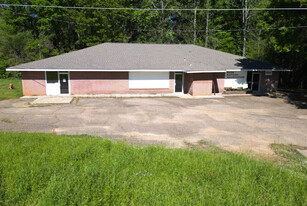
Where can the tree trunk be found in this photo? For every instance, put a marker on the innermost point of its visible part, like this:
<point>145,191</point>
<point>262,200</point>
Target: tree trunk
<point>244,21</point>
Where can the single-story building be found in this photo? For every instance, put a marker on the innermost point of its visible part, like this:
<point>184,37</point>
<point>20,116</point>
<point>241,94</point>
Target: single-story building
<point>126,68</point>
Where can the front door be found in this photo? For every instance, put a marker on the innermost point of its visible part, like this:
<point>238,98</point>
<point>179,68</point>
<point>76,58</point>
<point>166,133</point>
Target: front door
<point>52,86</point>
<point>64,84</point>
<point>178,83</point>
<point>255,85</point>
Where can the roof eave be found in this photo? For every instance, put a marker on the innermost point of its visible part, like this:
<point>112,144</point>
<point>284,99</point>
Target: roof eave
<point>96,70</point>
<point>258,70</point>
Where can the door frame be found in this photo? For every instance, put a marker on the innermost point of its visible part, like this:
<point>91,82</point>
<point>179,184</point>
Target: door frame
<point>68,74</point>
<point>59,83</point>
<point>182,85</point>
<point>259,81</point>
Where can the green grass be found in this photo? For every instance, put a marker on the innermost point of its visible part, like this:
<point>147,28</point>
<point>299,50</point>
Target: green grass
<point>46,169</point>
<point>5,120</point>
<point>6,93</point>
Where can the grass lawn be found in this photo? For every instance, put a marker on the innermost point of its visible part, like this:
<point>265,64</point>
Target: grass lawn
<point>46,169</point>
<point>6,93</point>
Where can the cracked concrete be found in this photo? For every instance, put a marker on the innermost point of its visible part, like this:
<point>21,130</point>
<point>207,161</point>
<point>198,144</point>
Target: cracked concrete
<point>243,123</point>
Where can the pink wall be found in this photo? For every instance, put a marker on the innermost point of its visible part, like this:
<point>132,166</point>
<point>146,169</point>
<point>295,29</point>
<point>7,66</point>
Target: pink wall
<point>109,83</point>
<point>33,83</point>
<point>202,83</point>
<point>203,87</point>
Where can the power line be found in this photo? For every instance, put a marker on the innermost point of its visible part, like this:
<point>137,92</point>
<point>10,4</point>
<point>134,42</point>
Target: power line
<point>159,30</point>
<point>150,9</point>
<point>229,30</point>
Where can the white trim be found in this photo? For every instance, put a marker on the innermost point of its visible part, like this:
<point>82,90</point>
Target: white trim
<point>259,70</point>
<point>95,70</point>
<point>205,72</point>
<point>143,70</point>
<point>182,84</point>
<point>157,70</point>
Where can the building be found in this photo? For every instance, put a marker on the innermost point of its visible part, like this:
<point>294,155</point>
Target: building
<point>126,68</point>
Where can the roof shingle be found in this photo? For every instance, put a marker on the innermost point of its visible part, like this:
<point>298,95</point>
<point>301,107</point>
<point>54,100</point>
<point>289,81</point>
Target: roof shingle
<point>130,56</point>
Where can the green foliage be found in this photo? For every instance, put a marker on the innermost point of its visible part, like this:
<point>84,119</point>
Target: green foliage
<point>46,169</point>
<point>28,33</point>
<point>236,89</point>
<point>6,93</point>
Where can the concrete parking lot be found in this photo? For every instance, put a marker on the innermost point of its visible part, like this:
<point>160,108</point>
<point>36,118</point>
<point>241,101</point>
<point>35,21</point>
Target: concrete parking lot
<point>247,123</point>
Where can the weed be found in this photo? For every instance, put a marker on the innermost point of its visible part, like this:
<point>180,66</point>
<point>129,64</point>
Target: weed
<point>292,158</point>
<point>6,120</point>
<point>77,100</point>
<point>40,105</point>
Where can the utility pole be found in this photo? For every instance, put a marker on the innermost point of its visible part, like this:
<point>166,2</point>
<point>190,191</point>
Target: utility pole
<point>162,21</point>
<point>207,24</point>
<point>40,52</point>
<point>244,23</point>
<point>195,35</point>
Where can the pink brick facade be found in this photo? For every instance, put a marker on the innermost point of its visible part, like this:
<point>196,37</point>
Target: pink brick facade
<point>109,83</point>
<point>204,83</point>
<point>203,87</point>
<point>33,83</point>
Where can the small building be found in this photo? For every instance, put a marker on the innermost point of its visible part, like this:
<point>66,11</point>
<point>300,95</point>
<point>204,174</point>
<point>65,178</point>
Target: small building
<point>127,68</point>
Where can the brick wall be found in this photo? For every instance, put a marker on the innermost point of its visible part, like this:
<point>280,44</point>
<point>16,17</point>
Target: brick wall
<point>109,83</point>
<point>204,83</point>
<point>269,83</point>
<point>118,83</point>
<point>203,87</point>
<point>33,83</point>
<point>188,82</point>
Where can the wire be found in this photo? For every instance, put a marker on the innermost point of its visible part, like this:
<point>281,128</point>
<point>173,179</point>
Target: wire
<point>159,30</point>
<point>230,30</point>
<point>152,9</point>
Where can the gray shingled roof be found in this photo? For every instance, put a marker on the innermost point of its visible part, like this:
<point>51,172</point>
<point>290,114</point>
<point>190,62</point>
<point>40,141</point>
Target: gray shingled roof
<point>129,56</point>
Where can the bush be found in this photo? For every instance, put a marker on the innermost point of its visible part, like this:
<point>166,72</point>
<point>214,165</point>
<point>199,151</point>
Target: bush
<point>236,89</point>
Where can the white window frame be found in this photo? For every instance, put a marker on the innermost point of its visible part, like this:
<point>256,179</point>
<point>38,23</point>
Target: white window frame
<point>59,83</point>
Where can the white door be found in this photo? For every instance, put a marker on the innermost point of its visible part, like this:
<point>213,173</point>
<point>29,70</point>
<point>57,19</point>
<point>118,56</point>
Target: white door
<point>52,83</point>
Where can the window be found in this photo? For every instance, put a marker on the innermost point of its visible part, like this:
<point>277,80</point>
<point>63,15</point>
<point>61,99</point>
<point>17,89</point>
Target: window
<point>268,73</point>
<point>148,80</point>
<point>52,77</point>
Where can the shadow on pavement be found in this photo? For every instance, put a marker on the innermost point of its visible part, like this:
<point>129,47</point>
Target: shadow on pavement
<point>296,98</point>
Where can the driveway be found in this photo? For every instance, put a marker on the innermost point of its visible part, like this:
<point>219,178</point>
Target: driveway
<point>246,123</point>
